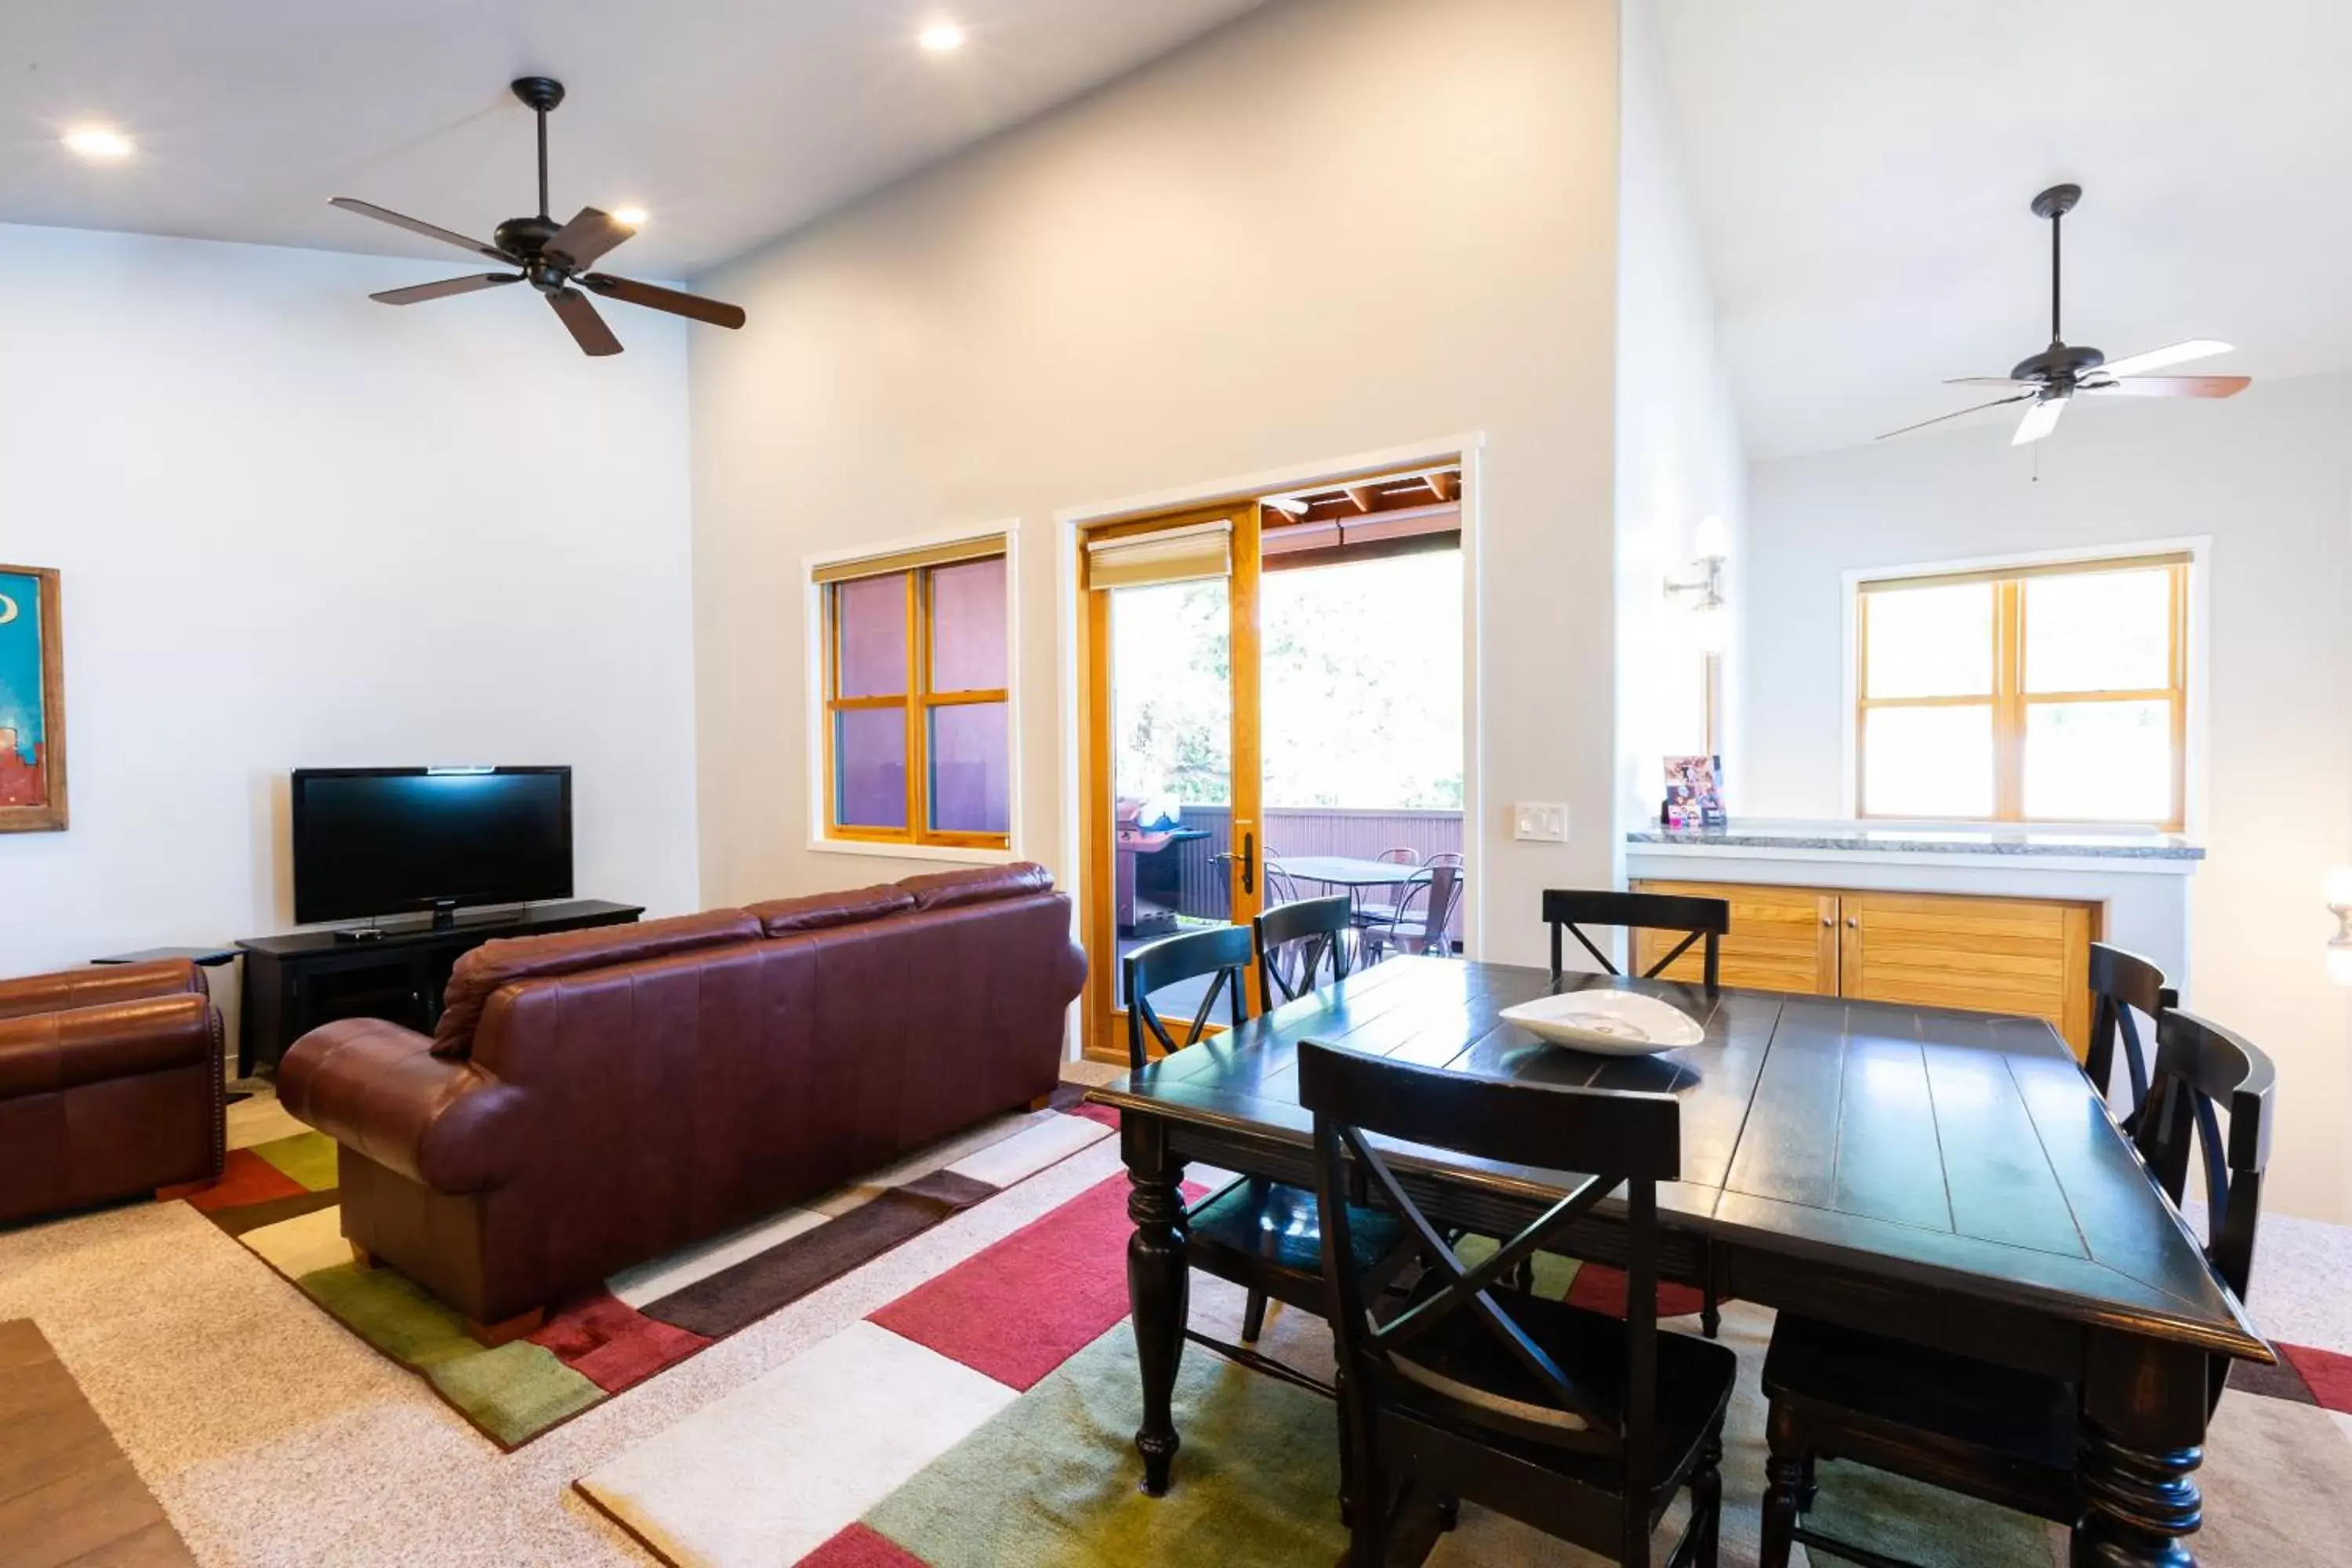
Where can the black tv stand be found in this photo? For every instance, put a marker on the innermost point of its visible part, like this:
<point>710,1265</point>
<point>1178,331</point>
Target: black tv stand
<point>297,982</point>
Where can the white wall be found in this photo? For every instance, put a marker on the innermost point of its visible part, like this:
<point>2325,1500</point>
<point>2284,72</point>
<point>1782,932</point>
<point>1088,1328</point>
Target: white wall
<point>1335,227</point>
<point>2268,476</point>
<point>1678,450</point>
<point>298,528</point>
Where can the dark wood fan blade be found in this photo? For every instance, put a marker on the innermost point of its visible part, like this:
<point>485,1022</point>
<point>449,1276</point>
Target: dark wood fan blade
<point>418,225</point>
<point>588,328</point>
<point>446,287</point>
<point>579,243</point>
<point>631,291</point>
<point>2174,386</point>
<point>1939,418</point>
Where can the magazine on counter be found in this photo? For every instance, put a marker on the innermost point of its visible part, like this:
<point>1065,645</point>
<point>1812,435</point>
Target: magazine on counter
<point>1694,793</point>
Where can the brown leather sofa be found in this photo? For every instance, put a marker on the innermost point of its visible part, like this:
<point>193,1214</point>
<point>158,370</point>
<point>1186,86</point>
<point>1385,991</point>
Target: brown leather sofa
<point>597,1099</point>
<point>110,1086</point>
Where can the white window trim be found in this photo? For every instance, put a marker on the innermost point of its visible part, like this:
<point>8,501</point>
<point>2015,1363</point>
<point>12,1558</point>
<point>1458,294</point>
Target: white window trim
<point>812,641</point>
<point>2198,548</point>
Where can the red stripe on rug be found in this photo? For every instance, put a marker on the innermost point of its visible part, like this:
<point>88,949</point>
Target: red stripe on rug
<point>2327,1374</point>
<point>246,1178</point>
<point>1026,1304</point>
<point>1601,1289</point>
<point>859,1547</point>
<point>613,1345</point>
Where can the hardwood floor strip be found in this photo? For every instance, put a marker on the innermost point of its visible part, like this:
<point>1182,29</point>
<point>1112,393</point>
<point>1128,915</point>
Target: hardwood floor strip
<point>68,1496</point>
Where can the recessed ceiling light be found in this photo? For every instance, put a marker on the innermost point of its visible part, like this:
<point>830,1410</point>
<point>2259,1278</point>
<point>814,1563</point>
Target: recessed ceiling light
<point>942,38</point>
<point>629,217</point>
<point>97,142</point>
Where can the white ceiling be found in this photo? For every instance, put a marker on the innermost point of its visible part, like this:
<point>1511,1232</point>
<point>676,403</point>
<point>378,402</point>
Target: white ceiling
<point>729,120</point>
<point>1862,170</point>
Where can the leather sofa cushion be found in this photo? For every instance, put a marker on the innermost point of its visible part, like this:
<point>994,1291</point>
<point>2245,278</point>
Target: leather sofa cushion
<point>97,986</point>
<point>822,911</point>
<point>951,889</point>
<point>47,1053</point>
<point>495,963</point>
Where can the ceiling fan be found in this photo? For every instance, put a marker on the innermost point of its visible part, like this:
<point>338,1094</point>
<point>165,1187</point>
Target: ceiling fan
<point>2052,378</point>
<point>553,257</point>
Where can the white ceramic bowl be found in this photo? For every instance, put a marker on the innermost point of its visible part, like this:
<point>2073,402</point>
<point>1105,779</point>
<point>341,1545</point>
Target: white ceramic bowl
<point>1607,1023</point>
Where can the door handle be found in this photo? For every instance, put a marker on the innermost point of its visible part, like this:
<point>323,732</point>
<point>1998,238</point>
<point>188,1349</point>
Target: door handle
<point>1249,862</point>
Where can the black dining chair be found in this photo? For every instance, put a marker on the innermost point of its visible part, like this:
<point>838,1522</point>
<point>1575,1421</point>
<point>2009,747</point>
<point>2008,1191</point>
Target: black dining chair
<point>2122,982</point>
<point>1698,919</point>
<point>1989,1432</point>
<point>1299,941</point>
<point>1578,1424</point>
<point>1259,1235</point>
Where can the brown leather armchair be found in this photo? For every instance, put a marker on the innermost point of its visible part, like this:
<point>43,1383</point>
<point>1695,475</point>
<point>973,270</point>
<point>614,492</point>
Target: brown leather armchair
<point>109,1084</point>
<point>598,1099</point>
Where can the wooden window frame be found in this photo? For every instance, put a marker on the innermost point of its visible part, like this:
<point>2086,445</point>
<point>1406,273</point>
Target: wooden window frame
<point>2008,701</point>
<point>919,702</point>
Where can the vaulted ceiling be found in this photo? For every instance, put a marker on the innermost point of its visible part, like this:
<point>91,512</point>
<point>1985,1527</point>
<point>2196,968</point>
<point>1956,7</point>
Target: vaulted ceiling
<point>729,120</point>
<point>1860,170</point>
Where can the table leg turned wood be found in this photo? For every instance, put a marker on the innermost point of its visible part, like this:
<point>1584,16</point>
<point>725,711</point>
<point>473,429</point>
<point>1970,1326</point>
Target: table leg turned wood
<point>1159,1283</point>
<point>2143,1435</point>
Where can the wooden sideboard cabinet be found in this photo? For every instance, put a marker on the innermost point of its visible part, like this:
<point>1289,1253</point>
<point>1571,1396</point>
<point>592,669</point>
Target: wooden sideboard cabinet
<point>1938,950</point>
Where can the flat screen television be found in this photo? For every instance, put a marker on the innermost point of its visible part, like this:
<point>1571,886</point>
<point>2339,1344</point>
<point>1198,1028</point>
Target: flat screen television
<point>385,841</point>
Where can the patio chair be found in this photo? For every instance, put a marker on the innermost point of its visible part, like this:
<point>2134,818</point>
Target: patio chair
<point>1418,922</point>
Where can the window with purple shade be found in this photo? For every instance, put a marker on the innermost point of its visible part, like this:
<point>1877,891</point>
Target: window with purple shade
<point>919,750</point>
<point>967,627</point>
<point>970,769</point>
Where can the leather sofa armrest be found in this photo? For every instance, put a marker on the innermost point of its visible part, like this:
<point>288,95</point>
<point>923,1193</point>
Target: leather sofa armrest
<point>97,985</point>
<point>378,1089</point>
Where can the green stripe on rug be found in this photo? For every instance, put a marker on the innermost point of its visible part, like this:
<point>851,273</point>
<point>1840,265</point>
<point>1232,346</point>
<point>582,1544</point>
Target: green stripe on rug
<point>1051,1482</point>
<point>306,1157</point>
<point>515,1391</point>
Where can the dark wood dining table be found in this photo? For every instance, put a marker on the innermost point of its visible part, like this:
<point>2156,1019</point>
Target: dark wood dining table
<point>1945,1178</point>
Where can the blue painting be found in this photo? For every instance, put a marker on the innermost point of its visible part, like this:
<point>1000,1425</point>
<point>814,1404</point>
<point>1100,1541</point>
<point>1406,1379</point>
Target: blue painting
<point>32,731</point>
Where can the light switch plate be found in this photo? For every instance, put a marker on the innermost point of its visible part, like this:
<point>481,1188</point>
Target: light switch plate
<point>1540,821</point>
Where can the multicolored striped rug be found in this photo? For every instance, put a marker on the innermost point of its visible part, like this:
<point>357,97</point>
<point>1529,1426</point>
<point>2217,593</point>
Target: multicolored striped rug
<point>279,1199</point>
<point>988,1418</point>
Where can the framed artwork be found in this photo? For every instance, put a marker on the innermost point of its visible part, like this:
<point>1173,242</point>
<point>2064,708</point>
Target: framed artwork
<point>32,702</point>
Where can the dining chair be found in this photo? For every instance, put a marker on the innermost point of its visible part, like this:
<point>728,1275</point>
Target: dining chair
<point>1259,1235</point>
<point>1437,889</point>
<point>1281,888</point>
<point>1402,855</point>
<point>1383,909</point>
<point>1298,939</point>
<point>1989,1432</point>
<point>2121,982</point>
<point>1578,1424</point>
<point>1571,910</point>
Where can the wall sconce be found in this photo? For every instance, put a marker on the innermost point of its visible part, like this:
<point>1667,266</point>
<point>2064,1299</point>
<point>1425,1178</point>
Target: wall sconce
<point>2339,946</point>
<point>1709,619</point>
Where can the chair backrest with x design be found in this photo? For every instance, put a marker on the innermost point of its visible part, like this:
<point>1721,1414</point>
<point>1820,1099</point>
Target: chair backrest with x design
<point>1632,1140</point>
<point>1571,908</point>
<point>1222,952</point>
<point>2122,982</point>
<point>2203,1074</point>
<point>1299,941</point>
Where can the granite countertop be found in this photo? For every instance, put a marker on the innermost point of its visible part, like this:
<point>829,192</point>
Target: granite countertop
<point>1996,841</point>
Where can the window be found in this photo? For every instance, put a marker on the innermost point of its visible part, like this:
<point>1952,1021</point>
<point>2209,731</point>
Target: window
<point>918,738</point>
<point>2033,694</point>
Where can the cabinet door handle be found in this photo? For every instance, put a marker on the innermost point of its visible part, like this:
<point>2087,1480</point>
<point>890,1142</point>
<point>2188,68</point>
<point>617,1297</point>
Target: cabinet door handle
<point>1827,920</point>
<point>1853,922</point>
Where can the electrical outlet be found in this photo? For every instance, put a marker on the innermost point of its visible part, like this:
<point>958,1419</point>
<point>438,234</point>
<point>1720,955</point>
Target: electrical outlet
<point>1541,822</point>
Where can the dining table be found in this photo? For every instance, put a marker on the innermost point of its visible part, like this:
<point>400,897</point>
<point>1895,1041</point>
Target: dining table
<point>1347,871</point>
<point>1949,1179</point>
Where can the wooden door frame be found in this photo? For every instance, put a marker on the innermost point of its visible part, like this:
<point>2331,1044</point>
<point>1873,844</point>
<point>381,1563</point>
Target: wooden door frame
<point>1097,900</point>
<point>1074,698</point>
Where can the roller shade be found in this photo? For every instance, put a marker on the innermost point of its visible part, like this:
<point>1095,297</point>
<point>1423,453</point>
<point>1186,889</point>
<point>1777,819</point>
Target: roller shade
<point>2011,574</point>
<point>977,549</point>
<point>1184,554</point>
